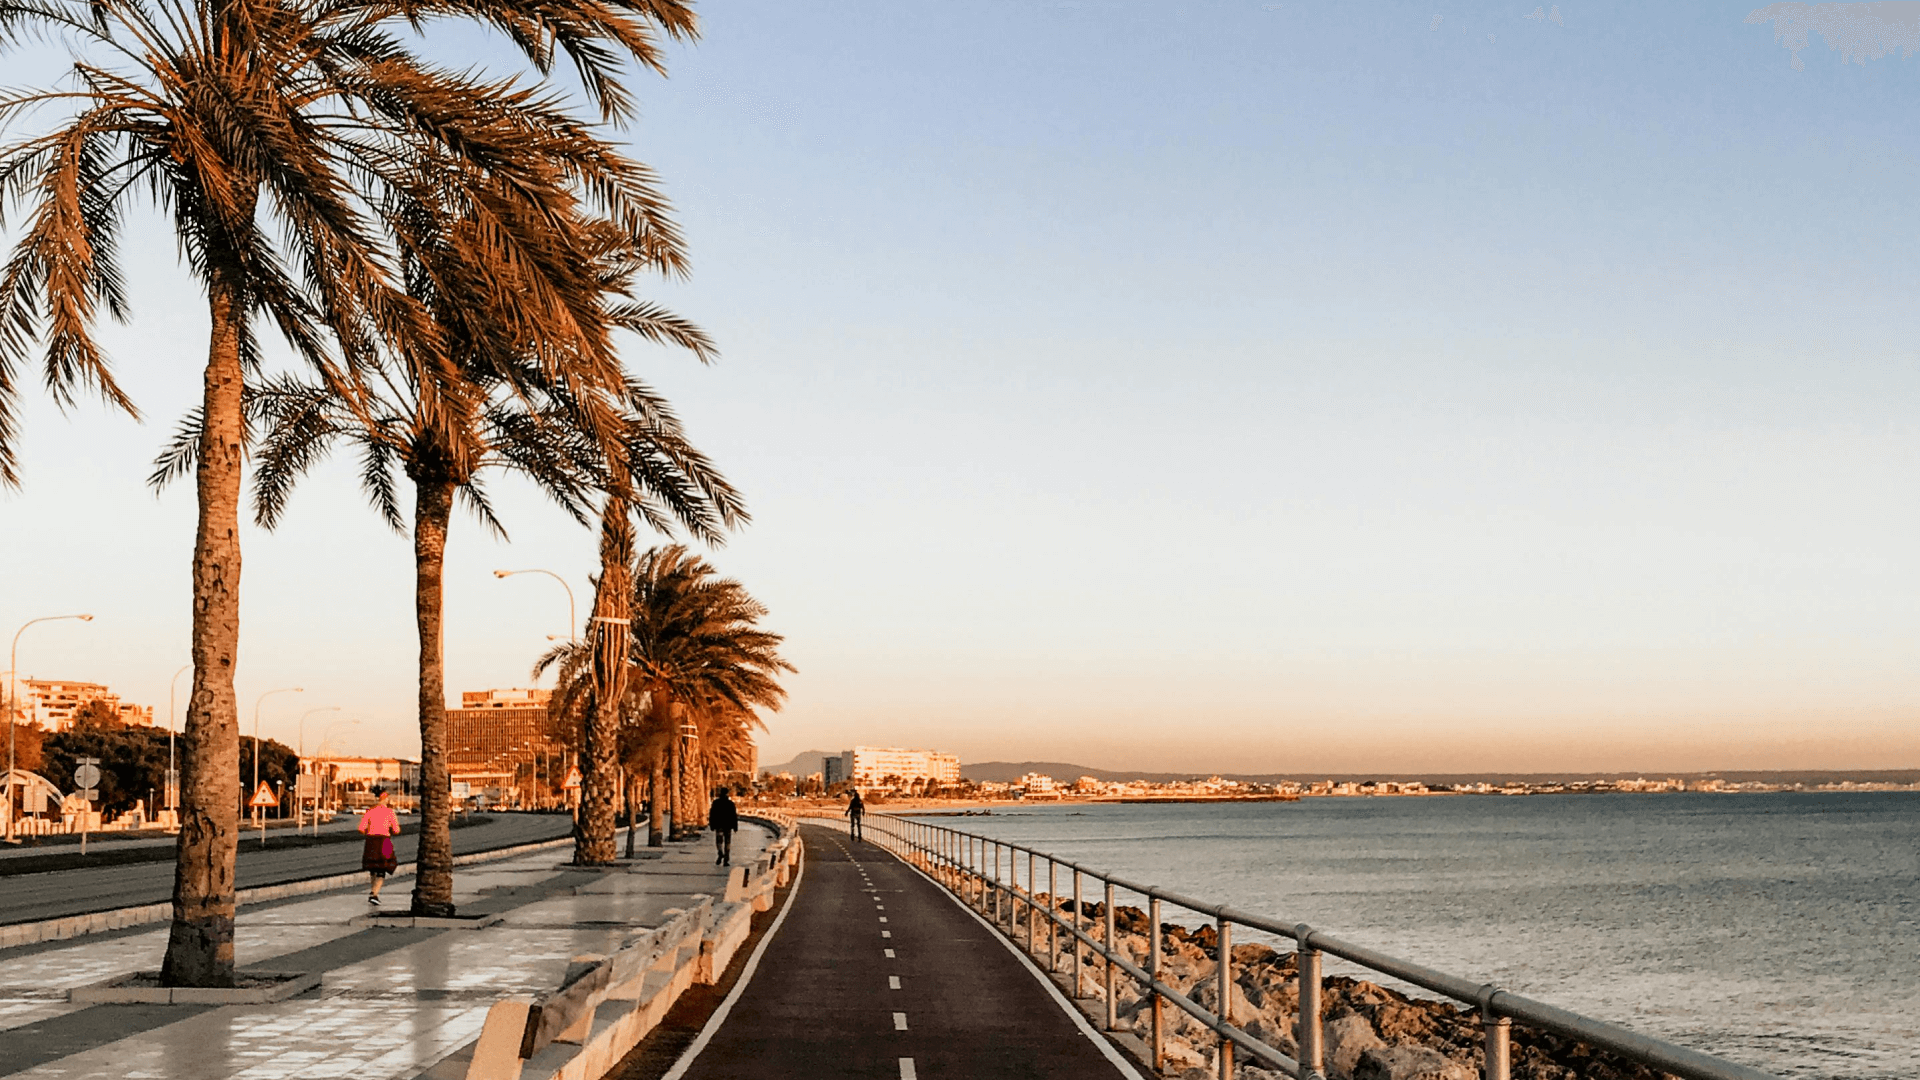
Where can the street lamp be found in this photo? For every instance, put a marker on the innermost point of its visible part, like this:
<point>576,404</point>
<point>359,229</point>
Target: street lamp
<point>173,761</point>
<point>256,749</point>
<point>13,701</point>
<point>303,727</point>
<point>571,621</point>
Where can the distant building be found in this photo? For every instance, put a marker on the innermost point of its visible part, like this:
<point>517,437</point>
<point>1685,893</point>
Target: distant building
<point>1037,784</point>
<point>349,781</point>
<point>53,703</point>
<point>497,743</point>
<point>878,766</point>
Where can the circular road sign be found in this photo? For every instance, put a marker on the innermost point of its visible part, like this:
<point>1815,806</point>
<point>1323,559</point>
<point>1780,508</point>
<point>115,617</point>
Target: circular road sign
<point>86,776</point>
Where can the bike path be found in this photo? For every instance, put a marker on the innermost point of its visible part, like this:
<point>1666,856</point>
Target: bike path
<point>877,974</point>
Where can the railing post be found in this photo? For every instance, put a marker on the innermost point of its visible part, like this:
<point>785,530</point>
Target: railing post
<point>1075,938</point>
<point>1032,914</point>
<point>1154,948</point>
<point>1223,967</point>
<point>1013,893</point>
<point>999,888</point>
<point>1499,1031</point>
<point>1113,1013</point>
<point>1053,910</point>
<point>1313,1065</point>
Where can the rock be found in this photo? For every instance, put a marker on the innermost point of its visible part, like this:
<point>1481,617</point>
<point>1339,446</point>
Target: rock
<point>1207,995</point>
<point>1401,1021</point>
<point>1346,1039</point>
<point>1409,1062</point>
<point>1181,1056</point>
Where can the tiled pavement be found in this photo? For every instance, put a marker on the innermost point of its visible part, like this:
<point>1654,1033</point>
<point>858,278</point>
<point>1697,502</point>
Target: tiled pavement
<point>389,1015</point>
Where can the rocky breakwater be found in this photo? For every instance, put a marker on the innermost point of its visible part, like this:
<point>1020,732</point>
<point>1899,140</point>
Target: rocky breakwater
<point>1370,1032</point>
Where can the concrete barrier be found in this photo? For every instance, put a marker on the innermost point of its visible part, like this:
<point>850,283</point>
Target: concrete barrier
<point>605,1006</point>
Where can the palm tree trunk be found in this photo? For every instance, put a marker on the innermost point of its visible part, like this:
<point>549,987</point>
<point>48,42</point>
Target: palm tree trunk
<point>200,943</point>
<point>626,800</point>
<point>610,634</point>
<point>656,805</point>
<point>433,872</point>
<point>678,765</point>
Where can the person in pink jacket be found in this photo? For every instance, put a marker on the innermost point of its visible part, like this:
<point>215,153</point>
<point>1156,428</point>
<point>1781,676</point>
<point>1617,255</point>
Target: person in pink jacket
<point>380,825</point>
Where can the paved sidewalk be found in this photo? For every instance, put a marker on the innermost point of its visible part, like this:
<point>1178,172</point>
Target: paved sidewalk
<point>392,1002</point>
<point>877,974</point>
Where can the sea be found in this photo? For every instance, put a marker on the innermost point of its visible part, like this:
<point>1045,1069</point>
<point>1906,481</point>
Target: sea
<point>1779,930</point>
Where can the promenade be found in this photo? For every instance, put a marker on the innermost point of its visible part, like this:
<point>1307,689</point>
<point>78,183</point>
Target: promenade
<point>877,973</point>
<point>872,971</point>
<point>393,1002</point>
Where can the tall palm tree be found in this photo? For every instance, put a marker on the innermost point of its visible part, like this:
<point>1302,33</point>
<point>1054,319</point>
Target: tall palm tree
<point>698,656</point>
<point>288,139</point>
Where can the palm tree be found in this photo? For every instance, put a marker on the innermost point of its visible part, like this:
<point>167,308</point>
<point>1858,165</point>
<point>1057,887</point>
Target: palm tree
<point>289,140</point>
<point>697,655</point>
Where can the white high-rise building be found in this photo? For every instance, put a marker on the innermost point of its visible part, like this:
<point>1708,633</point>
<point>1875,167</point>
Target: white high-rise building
<point>879,766</point>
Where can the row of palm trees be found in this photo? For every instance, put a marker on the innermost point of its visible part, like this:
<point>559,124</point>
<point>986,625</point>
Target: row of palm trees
<point>667,684</point>
<point>450,258</point>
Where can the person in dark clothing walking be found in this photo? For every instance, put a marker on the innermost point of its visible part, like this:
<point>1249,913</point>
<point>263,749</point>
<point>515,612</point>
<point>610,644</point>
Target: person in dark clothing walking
<point>723,818</point>
<point>855,811</point>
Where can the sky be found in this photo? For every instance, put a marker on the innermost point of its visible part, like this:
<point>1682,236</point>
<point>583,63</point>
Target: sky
<point>1237,386</point>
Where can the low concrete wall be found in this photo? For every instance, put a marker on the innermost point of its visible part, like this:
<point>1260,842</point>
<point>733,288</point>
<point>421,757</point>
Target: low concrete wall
<point>604,1027</point>
<point>119,918</point>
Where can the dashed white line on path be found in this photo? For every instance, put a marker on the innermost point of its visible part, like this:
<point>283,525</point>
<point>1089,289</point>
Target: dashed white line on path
<point>886,933</point>
<point>899,1021</point>
<point>893,982</point>
<point>889,953</point>
<point>906,1070</point>
<point>883,918</point>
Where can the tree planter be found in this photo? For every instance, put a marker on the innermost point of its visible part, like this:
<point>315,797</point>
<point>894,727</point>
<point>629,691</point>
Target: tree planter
<point>143,988</point>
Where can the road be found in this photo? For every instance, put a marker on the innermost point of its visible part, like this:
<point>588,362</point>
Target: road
<point>877,974</point>
<point>30,897</point>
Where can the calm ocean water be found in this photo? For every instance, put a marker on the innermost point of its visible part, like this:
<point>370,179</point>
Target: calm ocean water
<point>1780,930</point>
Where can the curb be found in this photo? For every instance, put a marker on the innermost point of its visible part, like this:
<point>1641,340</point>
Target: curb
<point>139,915</point>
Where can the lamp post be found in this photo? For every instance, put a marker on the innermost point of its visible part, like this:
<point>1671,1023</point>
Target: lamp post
<point>326,739</point>
<point>572,623</point>
<point>303,767</point>
<point>173,761</point>
<point>13,703</point>
<point>256,753</point>
<point>303,727</point>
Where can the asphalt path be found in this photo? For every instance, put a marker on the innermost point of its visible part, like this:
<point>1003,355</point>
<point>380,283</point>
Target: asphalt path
<point>52,895</point>
<point>878,974</point>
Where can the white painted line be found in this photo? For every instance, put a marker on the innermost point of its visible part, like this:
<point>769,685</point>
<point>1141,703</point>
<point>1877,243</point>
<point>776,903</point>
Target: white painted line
<point>886,933</point>
<point>719,1016</point>
<point>899,1021</point>
<point>889,953</point>
<point>893,982</point>
<point>883,907</point>
<point>1073,1011</point>
<point>906,1070</point>
<point>883,918</point>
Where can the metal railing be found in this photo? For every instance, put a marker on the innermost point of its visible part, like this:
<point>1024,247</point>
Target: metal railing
<point>971,866</point>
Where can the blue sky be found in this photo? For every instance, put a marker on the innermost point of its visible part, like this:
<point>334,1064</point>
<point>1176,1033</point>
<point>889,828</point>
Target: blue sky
<point>1215,386</point>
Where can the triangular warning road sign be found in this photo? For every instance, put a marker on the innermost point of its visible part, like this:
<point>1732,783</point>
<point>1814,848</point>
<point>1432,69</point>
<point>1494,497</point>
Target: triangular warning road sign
<point>264,797</point>
<point>573,777</point>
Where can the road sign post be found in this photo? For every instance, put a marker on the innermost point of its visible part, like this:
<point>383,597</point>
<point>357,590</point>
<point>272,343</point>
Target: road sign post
<point>262,798</point>
<point>86,778</point>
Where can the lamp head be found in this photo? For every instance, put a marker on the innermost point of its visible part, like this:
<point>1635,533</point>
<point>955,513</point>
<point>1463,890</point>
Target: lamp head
<point>84,618</point>
<point>501,573</point>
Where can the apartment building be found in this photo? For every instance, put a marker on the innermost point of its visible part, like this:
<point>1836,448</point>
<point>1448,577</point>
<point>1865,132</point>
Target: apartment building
<point>497,743</point>
<point>880,766</point>
<point>53,703</point>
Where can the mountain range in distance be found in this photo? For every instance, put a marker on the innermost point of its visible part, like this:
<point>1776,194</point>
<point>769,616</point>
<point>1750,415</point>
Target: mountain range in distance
<point>987,772</point>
